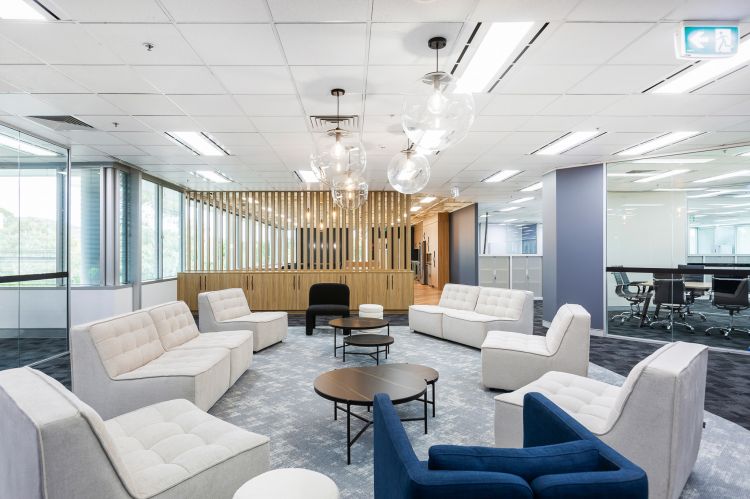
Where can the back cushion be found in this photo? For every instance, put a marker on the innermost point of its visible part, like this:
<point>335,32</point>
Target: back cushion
<point>506,303</point>
<point>228,304</point>
<point>459,296</point>
<point>174,323</point>
<point>126,342</point>
<point>566,318</point>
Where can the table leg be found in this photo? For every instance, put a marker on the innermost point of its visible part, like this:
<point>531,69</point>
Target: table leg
<point>388,347</point>
<point>433,400</point>
<point>644,312</point>
<point>344,349</point>
<point>348,434</point>
<point>425,411</point>
<point>335,411</point>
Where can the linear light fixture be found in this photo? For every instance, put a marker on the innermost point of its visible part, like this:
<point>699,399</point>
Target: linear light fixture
<point>20,145</point>
<point>657,143</point>
<point>745,154</point>
<point>673,161</point>
<point>644,174</point>
<point>711,194</point>
<point>198,142</point>
<point>20,10</point>
<point>742,196</point>
<point>532,187</point>
<point>427,199</point>
<point>643,205</point>
<point>307,176</point>
<point>568,142</point>
<point>213,176</point>
<point>415,208</point>
<point>510,208</point>
<point>740,173</point>
<point>705,72</point>
<point>522,200</point>
<point>686,189</point>
<point>659,176</point>
<point>495,49</point>
<point>510,220</point>
<point>501,176</point>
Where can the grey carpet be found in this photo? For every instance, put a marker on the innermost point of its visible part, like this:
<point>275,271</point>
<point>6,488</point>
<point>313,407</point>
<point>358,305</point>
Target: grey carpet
<point>276,398</point>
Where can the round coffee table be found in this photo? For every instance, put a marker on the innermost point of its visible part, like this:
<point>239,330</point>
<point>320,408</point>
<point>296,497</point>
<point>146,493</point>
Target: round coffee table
<point>368,340</point>
<point>349,324</point>
<point>357,386</point>
<point>428,374</point>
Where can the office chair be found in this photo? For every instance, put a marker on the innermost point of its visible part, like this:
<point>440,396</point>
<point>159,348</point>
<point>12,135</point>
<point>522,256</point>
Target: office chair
<point>730,295</point>
<point>692,294</point>
<point>622,289</point>
<point>670,294</point>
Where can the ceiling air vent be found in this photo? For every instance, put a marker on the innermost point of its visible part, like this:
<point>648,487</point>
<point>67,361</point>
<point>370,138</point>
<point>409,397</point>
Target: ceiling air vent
<point>325,123</point>
<point>61,123</point>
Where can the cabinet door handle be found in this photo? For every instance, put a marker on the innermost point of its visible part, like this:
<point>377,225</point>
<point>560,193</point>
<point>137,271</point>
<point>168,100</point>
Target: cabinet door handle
<point>252,282</point>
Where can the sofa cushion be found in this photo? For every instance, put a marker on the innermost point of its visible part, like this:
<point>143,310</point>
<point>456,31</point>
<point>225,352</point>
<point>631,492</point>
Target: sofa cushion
<point>221,339</point>
<point>459,297</point>
<point>174,323</point>
<point>228,303</point>
<point>471,316</point>
<point>166,443</point>
<point>330,309</point>
<point>260,317</point>
<point>429,309</point>
<point>180,362</point>
<point>126,342</point>
<point>519,342</point>
<point>507,303</point>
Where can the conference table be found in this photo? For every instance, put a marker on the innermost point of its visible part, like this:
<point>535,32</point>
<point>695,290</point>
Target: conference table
<point>693,287</point>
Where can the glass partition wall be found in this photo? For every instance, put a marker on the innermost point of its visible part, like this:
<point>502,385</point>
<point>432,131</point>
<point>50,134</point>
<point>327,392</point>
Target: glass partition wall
<point>678,248</point>
<point>33,249</point>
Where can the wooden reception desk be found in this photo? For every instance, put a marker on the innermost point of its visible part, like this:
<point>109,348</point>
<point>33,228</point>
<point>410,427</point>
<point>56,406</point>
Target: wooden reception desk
<point>289,290</point>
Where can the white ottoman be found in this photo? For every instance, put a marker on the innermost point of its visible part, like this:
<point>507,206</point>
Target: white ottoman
<point>289,483</point>
<point>372,310</point>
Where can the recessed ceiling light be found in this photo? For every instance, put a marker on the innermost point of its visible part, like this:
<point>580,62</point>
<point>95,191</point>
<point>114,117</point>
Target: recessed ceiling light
<point>671,161</point>
<point>496,47</point>
<point>198,142</point>
<point>532,187</point>
<point>20,145</point>
<point>686,189</point>
<point>510,220</point>
<point>645,174</point>
<point>511,208</point>
<point>21,10</point>
<point>740,173</point>
<point>705,72</point>
<point>745,154</point>
<point>522,200</point>
<point>415,208</point>
<point>213,176</point>
<point>307,176</point>
<point>657,143</point>
<point>427,199</point>
<point>712,194</point>
<point>501,175</point>
<point>659,176</point>
<point>567,142</point>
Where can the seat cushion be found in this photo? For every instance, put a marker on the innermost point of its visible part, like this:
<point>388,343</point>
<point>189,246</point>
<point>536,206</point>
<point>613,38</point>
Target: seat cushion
<point>260,317</point>
<point>268,328</point>
<point>328,309</point>
<point>429,309</point>
<point>166,443</point>
<point>239,344</point>
<point>518,342</point>
<point>427,319</point>
<point>471,316</point>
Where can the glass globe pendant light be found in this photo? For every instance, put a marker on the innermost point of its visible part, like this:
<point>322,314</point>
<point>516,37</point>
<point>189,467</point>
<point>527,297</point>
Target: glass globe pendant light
<point>409,171</point>
<point>437,115</point>
<point>338,153</point>
<point>349,191</point>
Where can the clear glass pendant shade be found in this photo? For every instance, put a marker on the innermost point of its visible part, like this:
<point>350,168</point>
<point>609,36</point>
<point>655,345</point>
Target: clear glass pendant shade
<point>408,172</point>
<point>350,191</point>
<point>435,116</point>
<point>337,155</point>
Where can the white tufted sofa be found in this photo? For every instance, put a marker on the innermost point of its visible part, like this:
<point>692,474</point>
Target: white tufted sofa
<point>227,310</point>
<point>511,360</point>
<point>655,419</point>
<point>120,364</point>
<point>466,313</point>
<point>54,446</point>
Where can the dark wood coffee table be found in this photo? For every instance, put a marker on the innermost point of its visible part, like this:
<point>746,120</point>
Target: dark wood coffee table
<point>429,374</point>
<point>349,324</point>
<point>369,340</point>
<point>357,386</point>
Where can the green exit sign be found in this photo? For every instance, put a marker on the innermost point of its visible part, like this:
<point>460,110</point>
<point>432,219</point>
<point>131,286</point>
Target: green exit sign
<point>707,40</point>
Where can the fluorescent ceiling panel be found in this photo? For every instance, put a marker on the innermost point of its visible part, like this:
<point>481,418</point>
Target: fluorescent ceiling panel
<point>510,208</point>
<point>510,220</point>
<point>676,189</point>
<point>657,143</point>
<point>711,194</point>
<point>494,51</point>
<point>567,142</point>
<point>659,176</point>
<point>198,142</point>
<point>673,161</point>
<point>213,176</point>
<point>307,176</point>
<point>522,200</point>
<point>501,176</point>
<point>22,146</point>
<point>532,187</point>
<point>629,174</point>
<point>740,173</point>
<point>19,9</point>
<point>428,199</point>
<point>415,208</point>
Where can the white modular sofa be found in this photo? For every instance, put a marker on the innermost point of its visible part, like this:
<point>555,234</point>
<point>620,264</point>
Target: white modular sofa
<point>227,310</point>
<point>54,446</point>
<point>655,419</point>
<point>466,313</point>
<point>120,363</point>
<point>512,360</point>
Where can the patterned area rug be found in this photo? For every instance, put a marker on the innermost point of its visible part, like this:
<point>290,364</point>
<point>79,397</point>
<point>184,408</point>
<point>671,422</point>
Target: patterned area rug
<point>276,398</point>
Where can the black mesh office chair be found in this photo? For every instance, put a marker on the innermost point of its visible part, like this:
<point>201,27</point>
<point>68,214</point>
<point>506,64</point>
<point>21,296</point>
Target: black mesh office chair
<point>669,294</point>
<point>730,295</point>
<point>693,293</point>
<point>623,289</point>
<point>326,298</point>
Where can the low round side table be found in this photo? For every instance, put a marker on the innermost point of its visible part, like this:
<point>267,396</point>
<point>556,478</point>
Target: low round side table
<point>349,324</point>
<point>369,340</point>
<point>289,483</point>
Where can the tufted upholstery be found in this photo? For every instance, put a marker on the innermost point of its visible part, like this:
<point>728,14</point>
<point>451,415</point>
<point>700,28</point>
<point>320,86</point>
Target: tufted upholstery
<point>227,303</point>
<point>504,340</point>
<point>506,303</point>
<point>174,323</point>
<point>427,319</point>
<point>459,297</point>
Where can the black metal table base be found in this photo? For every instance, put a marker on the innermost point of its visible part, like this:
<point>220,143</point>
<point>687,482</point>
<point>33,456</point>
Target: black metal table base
<point>368,422</point>
<point>344,334</point>
<point>374,355</point>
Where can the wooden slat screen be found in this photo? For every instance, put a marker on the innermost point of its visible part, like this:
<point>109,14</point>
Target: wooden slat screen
<point>302,230</point>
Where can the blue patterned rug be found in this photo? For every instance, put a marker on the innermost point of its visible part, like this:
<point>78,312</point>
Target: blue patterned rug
<point>276,398</point>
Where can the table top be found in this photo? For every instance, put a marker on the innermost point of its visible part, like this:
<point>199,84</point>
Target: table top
<point>368,340</point>
<point>358,323</point>
<point>688,285</point>
<point>428,374</point>
<point>358,385</point>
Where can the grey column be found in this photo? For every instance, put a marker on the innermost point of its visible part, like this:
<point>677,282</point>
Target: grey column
<point>464,249</point>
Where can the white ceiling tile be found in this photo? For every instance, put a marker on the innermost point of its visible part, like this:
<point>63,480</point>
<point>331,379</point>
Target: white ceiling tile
<point>324,44</point>
<point>106,123</point>
<point>127,40</point>
<point>81,104</point>
<point>654,47</point>
<point>143,138</point>
<point>617,10</point>
<point>81,150</point>
<point>280,124</point>
<point>435,10</point>
<point>527,79</point>
<point>169,123</point>
<point>145,11</point>
<point>522,10</point>
<point>498,123</point>
<point>319,80</point>
<point>287,139</point>
<point>181,79</point>
<point>12,54</point>
<point>173,150</point>
<point>671,105</point>
<point>383,104</point>
<point>383,123</point>
<point>241,139</point>
<point>406,43</point>
<point>501,104</point>
<point>320,10</point>
<point>121,150</point>
<point>269,105</point>
<point>58,43</point>
<point>217,11</point>
<point>92,138</point>
<point>39,79</point>
<point>255,79</point>
<point>623,79</point>
<point>718,10</point>
<point>226,123</point>
<point>143,104</point>
<point>255,44</point>
<point>325,105</point>
<point>580,104</point>
<point>637,123</point>
<point>108,79</point>
<point>551,123</point>
<point>395,79</point>
<point>734,83</point>
<point>207,105</point>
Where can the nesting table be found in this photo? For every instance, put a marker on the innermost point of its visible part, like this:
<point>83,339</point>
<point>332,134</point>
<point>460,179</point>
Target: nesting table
<point>349,324</point>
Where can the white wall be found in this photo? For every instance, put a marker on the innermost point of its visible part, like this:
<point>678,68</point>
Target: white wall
<point>90,304</point>
<point>156,293</point>
<point>20,308</point>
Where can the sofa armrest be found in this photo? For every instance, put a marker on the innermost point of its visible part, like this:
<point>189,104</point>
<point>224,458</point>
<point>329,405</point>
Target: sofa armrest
<point>474,484</point>
<point>620,484</point>
<point>544,423</point>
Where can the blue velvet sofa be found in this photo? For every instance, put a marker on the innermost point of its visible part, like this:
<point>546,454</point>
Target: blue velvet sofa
<point>560,459</point>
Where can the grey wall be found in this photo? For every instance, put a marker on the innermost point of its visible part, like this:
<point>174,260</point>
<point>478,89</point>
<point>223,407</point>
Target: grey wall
<point>464,246</point>
<point>573,216</point>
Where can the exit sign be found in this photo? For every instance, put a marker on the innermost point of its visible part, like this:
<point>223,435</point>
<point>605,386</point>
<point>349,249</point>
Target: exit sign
<point>707,40</point>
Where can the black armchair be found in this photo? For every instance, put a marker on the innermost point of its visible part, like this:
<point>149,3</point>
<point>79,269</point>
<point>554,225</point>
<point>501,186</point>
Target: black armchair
<point>670,294</point>
<point>730,295</point>
<point>634,298</point>
<point>326,298</point>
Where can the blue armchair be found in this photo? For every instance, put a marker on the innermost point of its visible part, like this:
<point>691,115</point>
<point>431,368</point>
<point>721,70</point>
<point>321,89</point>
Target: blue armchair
<point>560,459</point>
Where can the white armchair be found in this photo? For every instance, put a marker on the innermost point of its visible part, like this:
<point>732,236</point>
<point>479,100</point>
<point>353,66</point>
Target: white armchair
<point>511,360</point>
<point>655,419</point>
<point>227,310</point>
